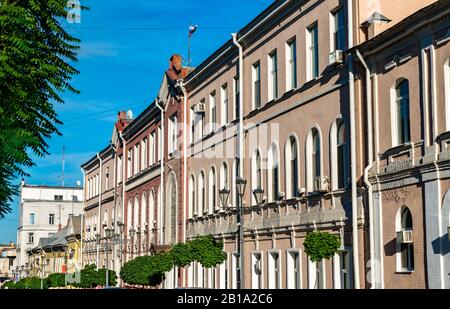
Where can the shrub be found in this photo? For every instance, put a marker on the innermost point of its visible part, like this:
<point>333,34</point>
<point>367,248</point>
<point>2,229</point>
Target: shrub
<point>56,281</point>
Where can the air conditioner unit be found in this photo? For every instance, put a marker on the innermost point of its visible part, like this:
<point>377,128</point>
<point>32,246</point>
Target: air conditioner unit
<point>336,57</point>
<point>405,237</point>
<point>322,184</point>
<point>200,108</point>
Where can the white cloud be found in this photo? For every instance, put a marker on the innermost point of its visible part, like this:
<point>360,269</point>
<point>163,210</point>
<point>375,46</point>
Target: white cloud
<point>98,49</point>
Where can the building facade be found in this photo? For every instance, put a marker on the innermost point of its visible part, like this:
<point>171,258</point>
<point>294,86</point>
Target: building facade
<point>43,211</point>
<point>282,105</point>
<point>7,260</point>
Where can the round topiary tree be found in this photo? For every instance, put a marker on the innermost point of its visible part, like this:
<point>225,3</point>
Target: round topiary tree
<point>321,245</point>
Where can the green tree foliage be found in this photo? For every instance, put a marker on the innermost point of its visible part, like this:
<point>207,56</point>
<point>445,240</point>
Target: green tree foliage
<point>31,283</point>
<point>150,270</point>
<point>35,57</point>
<point>321,245</point>
<point>91,278</point>
<point>112,277</point>
<point>55,281</point>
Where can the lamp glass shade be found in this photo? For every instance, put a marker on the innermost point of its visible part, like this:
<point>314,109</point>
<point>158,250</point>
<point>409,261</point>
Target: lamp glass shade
<point>109,233</point>
<point>132,232</point>
<point>224,194</point>
<point>97,237</point>
<point>240,184</point>
<point>259,195</point>
<point>121,227</point>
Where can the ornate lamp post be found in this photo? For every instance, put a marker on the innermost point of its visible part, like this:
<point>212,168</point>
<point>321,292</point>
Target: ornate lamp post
<point>132,233</point>
<point>241,184</point>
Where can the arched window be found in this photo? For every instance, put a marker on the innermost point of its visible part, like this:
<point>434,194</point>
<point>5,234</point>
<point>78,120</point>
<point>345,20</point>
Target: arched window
<point>313,159</point>
<point>291,169</point>
<point>256,173</point>
<point>341,156</point>
<point>273,171</point>
<point>212,191</point>
<point>192,208</point>
<point>171,211</point>
<point>151,214</point>
<point>401,121</point>
<point>129,215</point>
<point>144,212</point>
<point>201,194</point>
<point>405,246</point>
<point>235,173</point>
<point>136,213</point>
<point>224,176</point>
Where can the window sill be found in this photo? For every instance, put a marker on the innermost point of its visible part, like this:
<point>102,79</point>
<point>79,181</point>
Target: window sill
<point>404,272</point>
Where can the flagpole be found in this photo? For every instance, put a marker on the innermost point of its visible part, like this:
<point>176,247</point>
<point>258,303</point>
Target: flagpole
<point>189,45</point>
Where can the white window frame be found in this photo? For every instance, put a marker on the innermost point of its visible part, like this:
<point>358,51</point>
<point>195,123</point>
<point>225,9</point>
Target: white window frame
<point>223,271</point>
<point>192,191</point>
<point>192,128</point>
<point>144,154</point>
<point>309,55</point>
<point>309,150</point>
<point>290,267</point>
<point>212,112</point>
<point>271,163</point>
<point>272,75</point>
<point>271,269</point>
<point>333,29</point>
<point>254,275</point>
<point>224,105</point>
<point>212,192</point>
<point>159,145</point>
<point>287,162</point>
<point>290,57</point>
<point>234,263</point>
<point>201,196</point>
<point>447,94</point>
<point>136,159</point>
<point>255,67</point>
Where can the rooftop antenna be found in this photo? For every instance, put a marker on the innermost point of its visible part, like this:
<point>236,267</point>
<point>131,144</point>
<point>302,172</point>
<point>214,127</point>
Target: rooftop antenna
<point>63,165</point>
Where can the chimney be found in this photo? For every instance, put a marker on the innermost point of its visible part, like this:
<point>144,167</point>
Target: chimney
<point>122,116</point>
<point>175,61</point>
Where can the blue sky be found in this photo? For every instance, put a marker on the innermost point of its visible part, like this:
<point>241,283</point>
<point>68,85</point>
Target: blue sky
<point>125,49</point>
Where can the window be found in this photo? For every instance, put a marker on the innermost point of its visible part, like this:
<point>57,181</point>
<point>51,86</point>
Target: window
<point>234,270</point>
<point>212,112</point>
<point>345,261</point>
<point>237,103</point>
<point>51,219</point>
<point>159,145</point>
<point>256,174</point>
<point>291,160</point>
<point>106,181</point>
<point>341,156</point>
<point>144,154</point>
<point>293,269</point>
<point>273,76</point>
<point>405,247</point>
<point>31,238</point>
<point>136,213</point>
<point>200,122</point>
<point>202,194</point>
<point>224,176</point>
<point>192,114</point>
<point>338,30</point>
<point>274,270</point>
<point>256,76</point>
<point>313,52</point>
<point>32,218</point>
<point>152,153</point>
<point>130,164</point>
<point>173,134</point>
<point>136,160</point>
<point>192,208</point>
<point>120,169</point>
<point>257,280</point>
<point>315,155</point>
<point>212,191</point>
<point>144,221</point>
<point>320,282</point>
<point>402,121</point>
<point>223,274</point>
<point>273,171</point>
<point>58,197</point>
<point>74,198</point>
<point>224,107</point>
<point>291,64</point>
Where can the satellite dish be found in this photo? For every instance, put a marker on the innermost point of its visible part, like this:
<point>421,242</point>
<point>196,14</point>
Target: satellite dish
<point>78,183</point>
<point>130,114</point>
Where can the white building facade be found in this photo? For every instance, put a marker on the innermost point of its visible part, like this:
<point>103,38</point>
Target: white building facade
<point>43,211</point>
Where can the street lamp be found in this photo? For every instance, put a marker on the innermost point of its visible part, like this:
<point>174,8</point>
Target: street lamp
<point>240,186</point>
<point>109,235</point>
<point>132,233</point>
<point>223,195</point>
<point>259,196</point>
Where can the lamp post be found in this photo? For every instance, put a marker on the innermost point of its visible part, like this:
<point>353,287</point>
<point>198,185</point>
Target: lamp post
<point>240,184</point>
<point>121,226</point>
<point>132,232</point>
<point>109,235</point>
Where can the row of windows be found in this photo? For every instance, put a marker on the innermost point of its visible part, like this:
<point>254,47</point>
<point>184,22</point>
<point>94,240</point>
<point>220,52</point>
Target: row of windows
<point>338,41</point>
<point>51,219</point>
<point>226,275</point>
<point>143,155</point>
<point>314,171</point>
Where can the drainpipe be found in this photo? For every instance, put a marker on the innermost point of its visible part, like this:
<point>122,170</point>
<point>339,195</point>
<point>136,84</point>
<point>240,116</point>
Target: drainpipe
<point>113,218</point>
<point>185,178</point>
<point>161,147</point>
<point>241,157</point>
<point>124,165</point>
<point>351,74</point>
<point>369,167</point>
<point>82,216</point>
<point>99,206</point>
